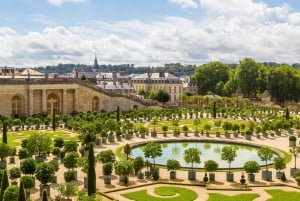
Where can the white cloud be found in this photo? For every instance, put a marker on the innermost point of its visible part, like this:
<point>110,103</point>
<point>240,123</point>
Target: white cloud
<point>186,3</point>
<point>224,34</point>
<point>60,2</point>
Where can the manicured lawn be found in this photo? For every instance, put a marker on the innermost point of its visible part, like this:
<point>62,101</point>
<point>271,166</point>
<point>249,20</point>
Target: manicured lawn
<point>15,138</point>
<point>241,197</point>
<point>180,194</point>
<point>280,195</point>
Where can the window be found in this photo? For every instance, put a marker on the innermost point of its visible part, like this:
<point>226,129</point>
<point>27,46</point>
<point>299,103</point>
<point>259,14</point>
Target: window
<point>17,106</point>
<point>52,104</point>
<point>95,104</point>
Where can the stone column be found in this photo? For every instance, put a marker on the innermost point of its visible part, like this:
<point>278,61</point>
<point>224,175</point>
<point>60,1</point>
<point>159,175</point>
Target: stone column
<point>44,100</point>
<point>30,102</point>
<point>75,99</point>
<point>64,101</point>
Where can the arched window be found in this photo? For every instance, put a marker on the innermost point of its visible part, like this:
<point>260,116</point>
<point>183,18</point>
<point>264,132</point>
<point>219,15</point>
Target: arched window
<point>52,104</point>
<point>17,106</point>
<point>95,104</point>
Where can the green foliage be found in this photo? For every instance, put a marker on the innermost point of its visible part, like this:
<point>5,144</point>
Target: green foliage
<point>295,151</point>
<point>4,132</point>
<point>124,168</point>
<point>228,154</point>
<point>28,181</point>
<point>4,185</point>
<point>11,193</point>
<point>106,156</point>
<point>28,166</point>
<point>251,167</point>
<point>14,173</point>
<point>44,196</point>
<point>70,146</point>
<point>5,151</point>
<point>279,163</point>
<point>67,189</point>
<point>173,164</point>
<point>58,142</point>
<point>192,155</point>
<point>70,175</point>
<point>265,154</point>
<point>91,173</point>
<point>127,150</point>
<point>44,173</point>
<point>159,95</point>
<point>211,166</point>
<point>21,193</point>
<point>152,150</point>
<point>138,164</point>
<point>107,168</point>
<point>70,160</point>
<point>183,194</point>
<point>39,143</point>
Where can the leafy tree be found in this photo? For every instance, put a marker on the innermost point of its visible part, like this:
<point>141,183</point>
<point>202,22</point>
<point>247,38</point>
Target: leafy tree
<point>70,160</point>
<point>138,164</point>
<point>14,173</point>
<point>88,133</point>
<point>152,150</point>
<point>28,166</point>
<point>91,171</point>
<point>59,142</point>
<point>173,164</point>
<point>39,143</point>
<point>282,84</point>
<point>159,95</point>
<point>249,76</point>
<point>21,193</point>
<point>251,167</point>
<point>5,151</point>
<point>44,173</point>
<point>192,155</point>
<point>211,165</point>
<point>11,193</point>
<point>208,76</point>
<point>265,154</point>
<point>106,156</point>
<point>127,150</point>
<point>124,168</point>
<point>295,151</point>
<point>70,146</point>
<point>228,154</point>
<point>279,163</point>
<point>28,181</point>
<point>4,185</point>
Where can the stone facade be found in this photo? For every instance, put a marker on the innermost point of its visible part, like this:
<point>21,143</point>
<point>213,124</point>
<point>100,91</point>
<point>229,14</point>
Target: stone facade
<point>27,97</point>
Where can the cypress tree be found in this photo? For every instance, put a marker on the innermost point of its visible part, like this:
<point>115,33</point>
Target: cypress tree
<point>287,114</point>
<point>4,185</point>
<point>214,110</point>
<point>45,197</point>
<point>53,120</point>
<point>91,171</point>
<point>118,113</point>
<point>4,137</point>
<point>21,195</point>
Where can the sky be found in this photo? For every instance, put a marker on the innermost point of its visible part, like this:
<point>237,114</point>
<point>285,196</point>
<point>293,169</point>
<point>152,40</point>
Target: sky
<point>148,32</point>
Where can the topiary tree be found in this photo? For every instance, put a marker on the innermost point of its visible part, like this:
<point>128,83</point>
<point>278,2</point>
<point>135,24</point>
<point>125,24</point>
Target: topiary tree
<point>152,150</point>
<point>192,155</point>
<point>44,173</point>
<point>265,154</point>
<point>228,154</point>
<point>70,160</point>
<point>124,168</point>
<point>21,193</point>
<point>173,165</point>
<point>4,184</point>
<point>14,173</point>
<point>11,193</point>
<point>295,151</point>
<point>28,182</point>
<point>70,146</point>
<point>4,132</point>
<point>39,143</point>
<point>138,164</point>
<point>106,156</point>
<point>28,166</point>
<point>58,142</point>
<point>91,173</point>
<point>5,151</point>
<point>127,150</point>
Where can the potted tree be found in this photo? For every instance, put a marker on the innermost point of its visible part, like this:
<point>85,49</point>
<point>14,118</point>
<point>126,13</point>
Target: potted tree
<point>107,169</point>
<point>44,173</point>
<point>229,154</point>
<point>175,123</point>
<point>207,127</point>
<point>4,152</point>
<point>251,167</point>
<point>185,130</point>
<point>14,173</point>
<point>217,124</point>
<point>248,134</point>
<point>70,162</point>
<point>227,126</point>
<point>211,166</point>
<point>154,122</point>
<point>173,165</point>
<point>165,130</point>
<point>279,164</point>
<point>192,155</point>
<point>196,123</point>
<point>138,164</point>
<point>28,166</point>
<point>28,182</point>
<point>295,151</point>
<point>266,154</point>
<point>124,168</point>
<point>292,141</point>
<point>39,144</point>
<point>153,150</point>
<point>67,190</point>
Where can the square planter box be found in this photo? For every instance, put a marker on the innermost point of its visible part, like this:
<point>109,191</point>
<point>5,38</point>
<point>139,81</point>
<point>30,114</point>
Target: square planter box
<point>279,175</point>
<point>172,174</point>
<point>39,159</point>
<point>230,176</point>
<point>293,171</point>
<point>266,175</point>
<point>148,173</point>
<point>153,134</point>
<point>196,133</point>
<point>107,180</point>
<point>175,133</point>
<point>212,177</point>
<point>140,175</point>
<point>143,135</point>
<point>251,177</point>
<point>185,134</point>
<point>227,135</point>
<point>235,135</point>
<point>292,143</point>
<point>191,175</point>
<point>248,137</point>
<point>218,134</point>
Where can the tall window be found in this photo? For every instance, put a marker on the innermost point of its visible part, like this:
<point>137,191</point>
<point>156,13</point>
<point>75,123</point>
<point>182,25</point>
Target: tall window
<point>16,107</point>
<point>95,104</point>
<point>52,104</point>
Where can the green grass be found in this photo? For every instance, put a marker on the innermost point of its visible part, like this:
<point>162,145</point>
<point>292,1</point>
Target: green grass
<point>241,197</point>
<point>15,138</point>
<point>180,194</point>
<point>280,195</point>
<point>119,154</point>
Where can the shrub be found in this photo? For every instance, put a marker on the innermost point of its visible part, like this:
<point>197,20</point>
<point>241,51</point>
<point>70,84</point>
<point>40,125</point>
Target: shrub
<point>28,166</point>
<point>107,168</point>
<point>292,138</point>
<point>28,181</point>
<point>23,153</point>
<point>58,142</point>
<point>14,173</point>
<point>70,175</point>
<point>56,151</point>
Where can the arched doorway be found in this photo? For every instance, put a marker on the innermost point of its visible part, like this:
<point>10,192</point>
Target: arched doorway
<point>17,106</point>
<point>52,104</point>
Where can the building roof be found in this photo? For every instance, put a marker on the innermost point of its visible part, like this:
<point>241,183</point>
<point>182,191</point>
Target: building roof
<point>160,75</point>
<point>31,72</point>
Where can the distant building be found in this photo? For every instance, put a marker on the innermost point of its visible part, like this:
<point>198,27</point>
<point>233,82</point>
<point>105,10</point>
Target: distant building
<point>165,81</point>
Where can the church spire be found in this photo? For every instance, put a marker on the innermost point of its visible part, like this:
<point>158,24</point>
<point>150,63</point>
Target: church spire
<point>96,65</point>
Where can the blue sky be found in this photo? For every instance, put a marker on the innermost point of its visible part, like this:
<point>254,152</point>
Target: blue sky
<point>147,32</point>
